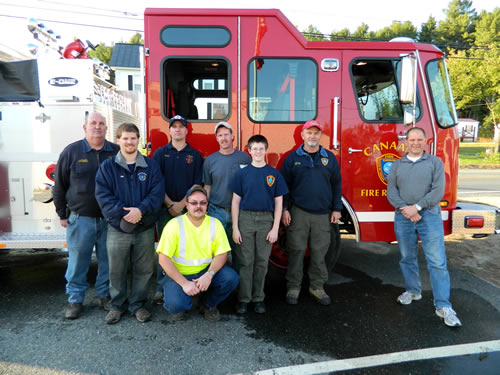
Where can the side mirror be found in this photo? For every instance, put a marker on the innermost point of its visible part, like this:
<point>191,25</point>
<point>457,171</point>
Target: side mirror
<point>408,80</point>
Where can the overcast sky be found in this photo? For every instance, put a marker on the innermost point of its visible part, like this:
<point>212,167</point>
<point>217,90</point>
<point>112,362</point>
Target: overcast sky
<point>123,17</point>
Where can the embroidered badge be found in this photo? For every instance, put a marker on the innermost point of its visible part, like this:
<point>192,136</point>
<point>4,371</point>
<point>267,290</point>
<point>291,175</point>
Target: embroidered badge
<point>270,180</point>
<point>324,161</point>
<point>384,163</point>
<point>142,176</point>
<point>83,161</point>
<point>189,159</point>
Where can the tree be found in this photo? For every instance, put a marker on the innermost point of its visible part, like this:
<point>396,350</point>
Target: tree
<point>397,29</point>
<point>312,33</point>
<point>361,32</point>
<point>102,52</point>
<point>343,34</point>
<point>475,75</point>
<point>457,30</point>
<point>428,31</point>
<point>136,39</point>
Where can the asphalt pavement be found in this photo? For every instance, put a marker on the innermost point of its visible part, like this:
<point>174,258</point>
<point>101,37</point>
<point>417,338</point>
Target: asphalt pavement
<point>363,320</point>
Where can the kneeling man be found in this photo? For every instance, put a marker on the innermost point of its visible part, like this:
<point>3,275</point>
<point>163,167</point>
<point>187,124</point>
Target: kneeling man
<point>192,251</point>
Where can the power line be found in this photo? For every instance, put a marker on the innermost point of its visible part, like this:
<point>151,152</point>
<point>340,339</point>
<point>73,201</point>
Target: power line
<point>83,6</point>
<point>74,12</point>
<point>77,24</point>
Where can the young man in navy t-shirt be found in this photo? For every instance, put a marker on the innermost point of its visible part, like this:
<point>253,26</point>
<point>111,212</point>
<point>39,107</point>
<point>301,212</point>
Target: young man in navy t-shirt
<point>256,211</point>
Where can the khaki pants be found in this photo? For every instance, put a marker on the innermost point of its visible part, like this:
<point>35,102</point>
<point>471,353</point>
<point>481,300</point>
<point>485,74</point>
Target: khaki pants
<point>306,226</point>
<point>253,254</point>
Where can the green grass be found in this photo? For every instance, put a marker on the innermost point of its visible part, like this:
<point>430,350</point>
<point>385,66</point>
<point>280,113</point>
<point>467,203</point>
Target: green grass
<point>475,153</point>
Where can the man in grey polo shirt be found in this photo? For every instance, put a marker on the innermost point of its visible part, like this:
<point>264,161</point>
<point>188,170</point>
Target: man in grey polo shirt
<point>218,169</point>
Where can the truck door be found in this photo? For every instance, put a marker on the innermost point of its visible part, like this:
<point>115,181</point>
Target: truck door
<point>373,135</point>
<point>189,73</point>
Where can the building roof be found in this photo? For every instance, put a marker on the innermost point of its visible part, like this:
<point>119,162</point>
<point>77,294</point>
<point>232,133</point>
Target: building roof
<point>125,56</point>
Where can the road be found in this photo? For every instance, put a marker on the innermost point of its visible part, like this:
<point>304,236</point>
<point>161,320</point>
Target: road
<point>479,180</point>
<point>363,320</point>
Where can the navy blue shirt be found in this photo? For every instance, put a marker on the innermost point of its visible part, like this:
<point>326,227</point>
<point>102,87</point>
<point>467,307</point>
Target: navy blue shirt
<point>75,178</point>
<point>181,169</point>
<point>314,181</point>
<point>258,187</point>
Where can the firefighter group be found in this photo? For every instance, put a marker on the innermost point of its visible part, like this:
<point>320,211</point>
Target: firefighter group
<point>216,220</point>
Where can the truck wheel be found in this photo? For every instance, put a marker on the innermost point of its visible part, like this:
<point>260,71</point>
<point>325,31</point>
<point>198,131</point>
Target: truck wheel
<point>333,253</point>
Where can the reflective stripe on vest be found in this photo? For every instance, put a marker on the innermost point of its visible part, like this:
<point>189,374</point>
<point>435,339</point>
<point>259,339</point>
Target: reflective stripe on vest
<point>181,259</point>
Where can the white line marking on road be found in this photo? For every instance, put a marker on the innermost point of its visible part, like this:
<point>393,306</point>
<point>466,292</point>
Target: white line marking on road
<point>385,359</point>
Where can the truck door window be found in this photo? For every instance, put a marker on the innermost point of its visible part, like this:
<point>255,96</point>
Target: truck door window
<point>282,90</point>
<point>444,106</point>
<point>196,89</point>
<point>376,89</point>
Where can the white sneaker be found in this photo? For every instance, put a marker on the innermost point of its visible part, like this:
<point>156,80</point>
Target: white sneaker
<point>449,316</point>
<point>406,298</point>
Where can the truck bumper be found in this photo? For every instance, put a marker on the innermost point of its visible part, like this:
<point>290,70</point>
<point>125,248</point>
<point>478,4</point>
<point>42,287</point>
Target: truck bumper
<point>32,241</point>
<point>467,217</point>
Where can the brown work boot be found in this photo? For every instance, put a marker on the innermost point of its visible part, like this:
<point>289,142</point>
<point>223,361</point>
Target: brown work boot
<point>320,296</point>
<point>105,302</point>
<point>177,317</point>
<point>292,296</point>
<point>143,315</point>
<point>73,310</point>
<point>210,313</point>
<point>158,298</point>
<point>113,317</point>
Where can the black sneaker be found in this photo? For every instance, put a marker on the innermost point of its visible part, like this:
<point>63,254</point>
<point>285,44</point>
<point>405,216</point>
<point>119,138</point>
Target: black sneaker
<point>73,310</point>
<point>241,308</point>
<point>260,307</point>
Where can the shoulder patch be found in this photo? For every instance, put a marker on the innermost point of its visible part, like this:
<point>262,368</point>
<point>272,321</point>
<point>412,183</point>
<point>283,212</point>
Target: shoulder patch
<point>142,176</point>
<point>324,161</point>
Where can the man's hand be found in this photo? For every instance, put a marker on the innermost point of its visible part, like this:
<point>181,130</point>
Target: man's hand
<point>409,211</point>
<point>335,217</point>
<point>237,236</point>
<point>415,218</point>
<point>203,282</point>
<point>176,209</point>
<point>64,223</point>
<point>190,288</point>
<point>286,218</point>
<point>272,236</point>
<point>134,215</point>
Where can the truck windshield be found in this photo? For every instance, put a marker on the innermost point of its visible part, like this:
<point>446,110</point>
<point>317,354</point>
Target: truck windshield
<point>442,98</point>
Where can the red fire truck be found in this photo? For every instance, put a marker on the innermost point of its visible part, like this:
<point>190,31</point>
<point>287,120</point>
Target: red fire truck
<point>255,70</point>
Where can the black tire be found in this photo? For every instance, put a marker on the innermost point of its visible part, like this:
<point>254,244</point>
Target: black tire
<point>333,253</point>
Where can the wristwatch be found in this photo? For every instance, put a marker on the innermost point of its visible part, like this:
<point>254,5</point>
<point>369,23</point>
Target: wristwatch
<point>212,273</point>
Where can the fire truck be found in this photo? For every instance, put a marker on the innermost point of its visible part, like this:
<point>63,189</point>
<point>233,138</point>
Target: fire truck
<point>43,106</point>
<point>255,70</point>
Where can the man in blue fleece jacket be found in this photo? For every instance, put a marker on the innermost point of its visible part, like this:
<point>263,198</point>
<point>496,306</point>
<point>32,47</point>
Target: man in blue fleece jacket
<point>314,201</point>
<point>130,191</point>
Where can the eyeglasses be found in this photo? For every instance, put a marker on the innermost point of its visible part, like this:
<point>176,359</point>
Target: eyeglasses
<point>196,204</point>
<point>258,149</point>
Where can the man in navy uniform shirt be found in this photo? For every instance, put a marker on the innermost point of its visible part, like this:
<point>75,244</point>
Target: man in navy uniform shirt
<point>181,166</point>
<point>313,178</point>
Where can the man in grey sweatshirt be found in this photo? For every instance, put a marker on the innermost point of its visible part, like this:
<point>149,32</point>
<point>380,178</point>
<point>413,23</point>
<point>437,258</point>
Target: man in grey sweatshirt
<point>415,187</point>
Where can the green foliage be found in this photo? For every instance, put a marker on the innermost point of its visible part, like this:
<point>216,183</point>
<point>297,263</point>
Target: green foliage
<point>428,31</point>
<point>102,52</point>
<point>397,29</point>
<point>136,39</point>
<point>457,30</point>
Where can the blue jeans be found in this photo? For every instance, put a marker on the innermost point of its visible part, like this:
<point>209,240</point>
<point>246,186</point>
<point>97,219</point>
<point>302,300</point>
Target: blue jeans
<point>223,283</point>
<point>430,230</point>
<point>226,219</point>
<point>82,234</point>
<point>136,249</point>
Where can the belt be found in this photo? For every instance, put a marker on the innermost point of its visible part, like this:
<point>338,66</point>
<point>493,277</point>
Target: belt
<point>223,208</point>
